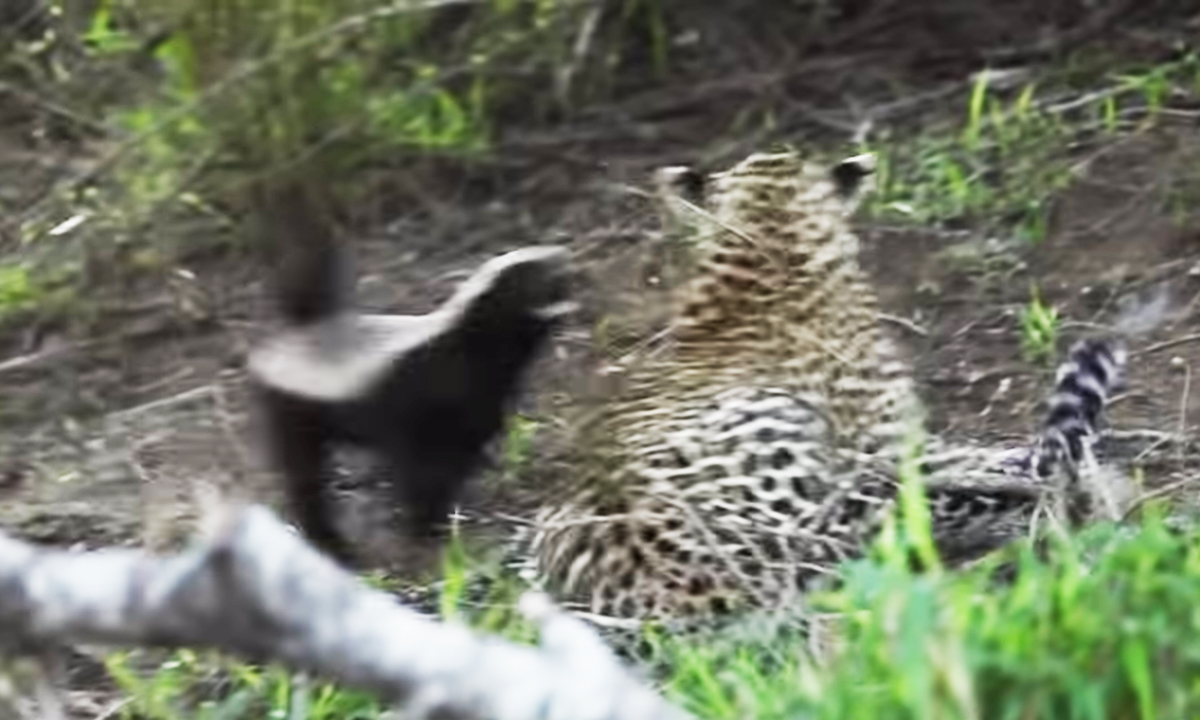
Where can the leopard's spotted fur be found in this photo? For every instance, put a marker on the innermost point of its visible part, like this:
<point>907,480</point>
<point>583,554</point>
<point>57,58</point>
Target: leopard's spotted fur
<point>762,448</point>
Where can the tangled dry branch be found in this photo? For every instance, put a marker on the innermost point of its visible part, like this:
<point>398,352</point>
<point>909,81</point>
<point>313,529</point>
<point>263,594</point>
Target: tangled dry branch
<point>257,590</point>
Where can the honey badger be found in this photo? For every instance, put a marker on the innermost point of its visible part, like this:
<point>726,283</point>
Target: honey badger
<point>423,393</point>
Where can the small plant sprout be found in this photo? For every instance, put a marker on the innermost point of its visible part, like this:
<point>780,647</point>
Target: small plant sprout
<point>1111,122</point>
<point>975,108</point>
<point>1039,328</point>
<point>454,578</point>
<point>518,445</point>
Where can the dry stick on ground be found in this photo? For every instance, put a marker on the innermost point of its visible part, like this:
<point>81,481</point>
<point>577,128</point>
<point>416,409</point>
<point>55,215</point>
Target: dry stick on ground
<point>1167,344</point>
<point>1165,491</point>
<point>257,590</point>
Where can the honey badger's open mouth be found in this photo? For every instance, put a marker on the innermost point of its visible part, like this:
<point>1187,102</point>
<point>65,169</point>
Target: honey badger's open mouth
<point>556,310</point>
<point>683,181</point>
<point>557,302</point>
<point>849,173</point>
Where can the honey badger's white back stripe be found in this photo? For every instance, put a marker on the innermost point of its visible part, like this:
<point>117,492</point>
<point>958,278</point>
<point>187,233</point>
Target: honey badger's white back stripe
<point>343,354</point>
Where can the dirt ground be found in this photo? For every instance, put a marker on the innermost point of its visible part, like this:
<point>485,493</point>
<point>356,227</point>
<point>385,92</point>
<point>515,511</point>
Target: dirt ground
<point>107,435</point>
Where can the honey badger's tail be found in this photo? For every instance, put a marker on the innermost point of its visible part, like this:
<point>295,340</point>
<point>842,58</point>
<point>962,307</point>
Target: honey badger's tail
<point>311,272</point>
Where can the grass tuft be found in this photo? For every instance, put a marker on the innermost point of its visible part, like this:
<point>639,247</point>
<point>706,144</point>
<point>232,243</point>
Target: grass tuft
<point>1039,328</point>
<point>1104,629</point>
<point>995,168</point>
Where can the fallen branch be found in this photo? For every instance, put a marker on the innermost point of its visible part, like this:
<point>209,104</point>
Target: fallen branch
<point>1168,344</point>
<point>257,590</point>
<point>1165,491</point>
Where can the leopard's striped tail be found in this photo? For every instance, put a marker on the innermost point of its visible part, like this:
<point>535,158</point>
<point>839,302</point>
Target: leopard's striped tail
<point>971,519</point>
<point>1093,372</point>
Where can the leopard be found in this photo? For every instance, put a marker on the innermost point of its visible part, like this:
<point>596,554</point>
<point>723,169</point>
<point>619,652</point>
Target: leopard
<point>763,447</point>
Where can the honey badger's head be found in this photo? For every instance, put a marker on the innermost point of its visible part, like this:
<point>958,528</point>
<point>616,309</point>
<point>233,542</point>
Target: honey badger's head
<point>530,284</point>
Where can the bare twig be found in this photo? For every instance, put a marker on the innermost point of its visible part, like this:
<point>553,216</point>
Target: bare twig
<point>48,696</point>
<point>1086,325</point>
<point>1139,434</point>
<point>53,107</point>
<point>184,397</point>
<point>224,416</point>
<point>1164,491</point>
<point>32,359</point>
<point>579,55</point>
<point>257,590</point>
<point>905,323</point>
<point>1167,344</point>
<point>114,707</point>
<point>1166,438</point>
<point>1183,406</point>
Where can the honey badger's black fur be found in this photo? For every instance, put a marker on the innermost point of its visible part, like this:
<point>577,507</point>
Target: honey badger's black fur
<point>313,277</point>
<point>427,406</point>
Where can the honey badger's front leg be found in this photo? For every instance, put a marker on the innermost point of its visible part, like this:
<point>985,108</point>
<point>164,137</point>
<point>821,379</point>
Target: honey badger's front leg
<point>296,440</point>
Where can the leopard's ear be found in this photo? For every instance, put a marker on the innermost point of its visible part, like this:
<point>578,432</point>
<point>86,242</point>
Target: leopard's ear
<point>849,173</point>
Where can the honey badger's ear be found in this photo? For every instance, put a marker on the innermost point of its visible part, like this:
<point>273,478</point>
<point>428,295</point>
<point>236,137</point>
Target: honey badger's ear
<point>849,173</point>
